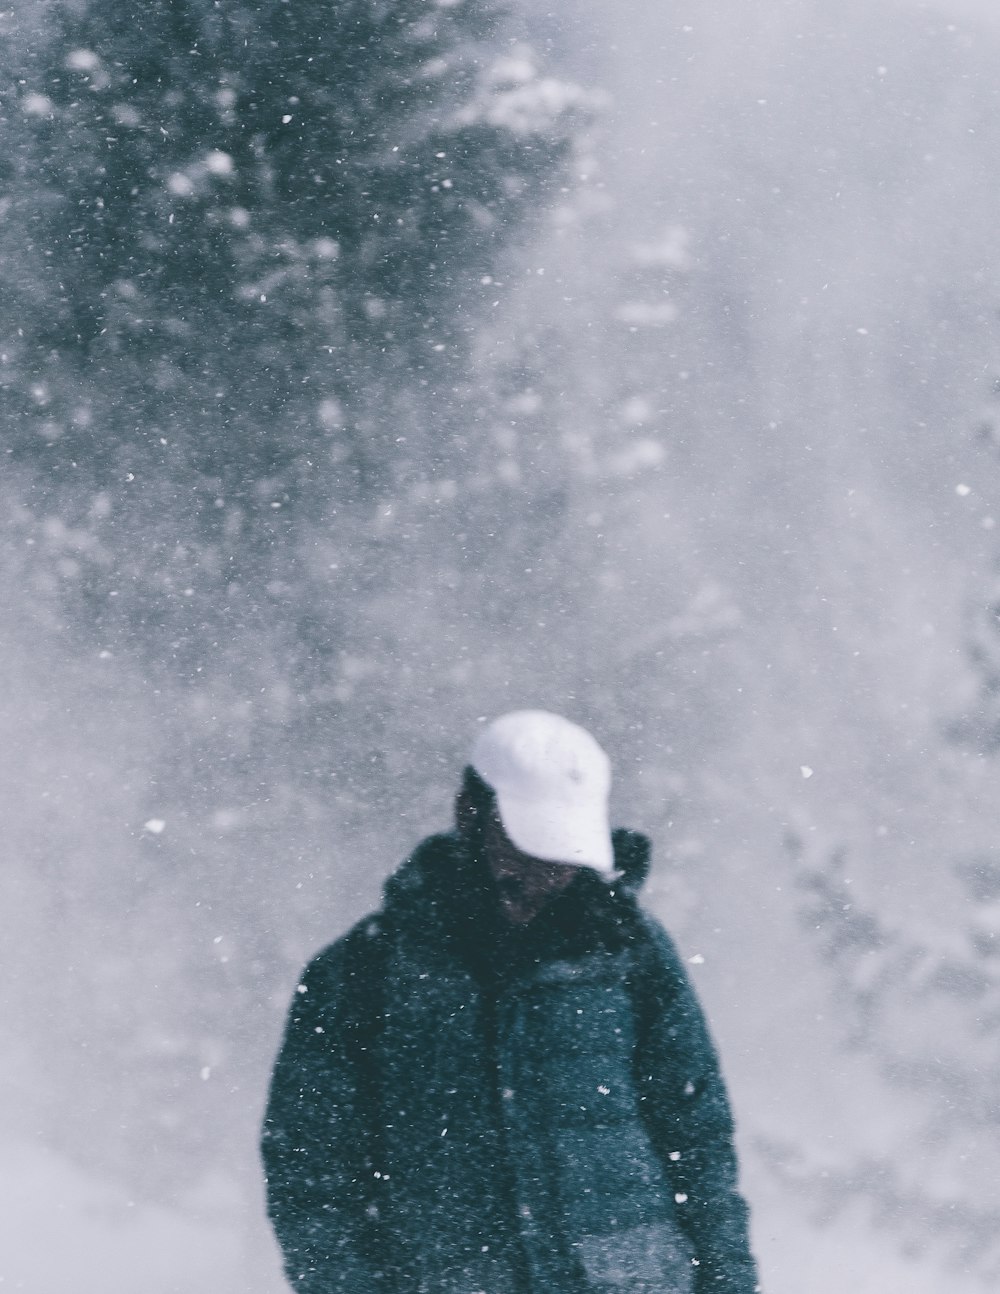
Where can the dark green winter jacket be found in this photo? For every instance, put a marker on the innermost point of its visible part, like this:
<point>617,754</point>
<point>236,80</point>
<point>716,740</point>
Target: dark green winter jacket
<point>464,1107</point>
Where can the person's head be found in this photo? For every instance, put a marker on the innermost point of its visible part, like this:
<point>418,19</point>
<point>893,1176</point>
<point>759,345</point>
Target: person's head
<point>534,805</point>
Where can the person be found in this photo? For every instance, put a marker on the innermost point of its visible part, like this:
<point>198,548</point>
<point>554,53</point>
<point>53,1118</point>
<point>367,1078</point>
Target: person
<point>502,1082</point>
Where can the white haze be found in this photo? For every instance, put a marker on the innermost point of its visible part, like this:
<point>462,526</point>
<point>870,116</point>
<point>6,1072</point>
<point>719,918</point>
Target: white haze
<point>775,527</point>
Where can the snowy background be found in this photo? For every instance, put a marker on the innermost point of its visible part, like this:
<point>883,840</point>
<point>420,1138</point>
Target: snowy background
<point>690,430</point>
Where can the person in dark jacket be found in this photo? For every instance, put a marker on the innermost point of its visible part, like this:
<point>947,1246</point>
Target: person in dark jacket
<point>502,1082</point>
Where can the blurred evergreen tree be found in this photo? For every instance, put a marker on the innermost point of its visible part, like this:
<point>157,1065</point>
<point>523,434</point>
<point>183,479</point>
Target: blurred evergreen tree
<point>246,245</point>
<point>979,726</point>
<point>924,1004</point>
<point>235,221</point>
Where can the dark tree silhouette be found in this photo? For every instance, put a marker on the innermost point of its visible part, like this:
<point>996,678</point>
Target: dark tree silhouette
<point>237,220</point>
<point>246,247</point>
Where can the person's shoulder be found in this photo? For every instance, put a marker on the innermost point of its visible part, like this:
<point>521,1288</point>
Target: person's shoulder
<point>402,888</point>
<point>656,953</point>
<point>430,860</point>
<point>405,892</point>
<point>344,954</point>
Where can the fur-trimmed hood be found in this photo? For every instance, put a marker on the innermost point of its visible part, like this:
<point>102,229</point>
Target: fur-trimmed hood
<point>443,885</point>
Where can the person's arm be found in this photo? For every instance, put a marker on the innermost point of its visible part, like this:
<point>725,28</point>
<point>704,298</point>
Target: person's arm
<point>685,1106</point>
<point>317,1136</point>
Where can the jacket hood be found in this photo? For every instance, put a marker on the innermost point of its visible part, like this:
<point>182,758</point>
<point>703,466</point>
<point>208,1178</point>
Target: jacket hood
<point>442,860</point>
<point>445,885</point>
<point>633,852</point>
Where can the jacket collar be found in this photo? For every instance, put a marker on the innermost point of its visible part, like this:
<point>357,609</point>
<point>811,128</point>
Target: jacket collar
<point>444,892</point>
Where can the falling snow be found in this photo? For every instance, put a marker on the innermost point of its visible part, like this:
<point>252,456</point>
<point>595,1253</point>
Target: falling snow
<point>633,366</point>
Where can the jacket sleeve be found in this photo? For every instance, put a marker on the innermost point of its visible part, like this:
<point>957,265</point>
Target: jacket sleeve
<point>686,1109</point>
<point>317,1141</point>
